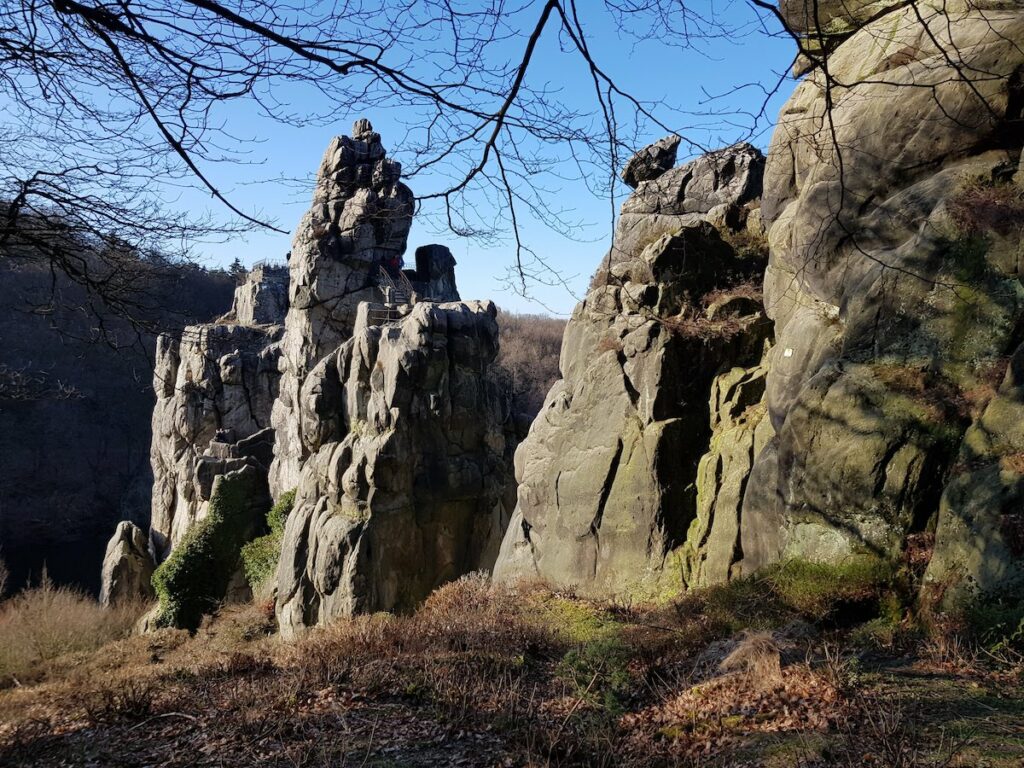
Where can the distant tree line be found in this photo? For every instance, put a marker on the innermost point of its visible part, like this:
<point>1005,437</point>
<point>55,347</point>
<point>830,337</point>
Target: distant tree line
<point>528,358</point>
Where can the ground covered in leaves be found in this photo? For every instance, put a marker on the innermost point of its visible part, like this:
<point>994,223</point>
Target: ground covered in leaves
<point>754,674</point>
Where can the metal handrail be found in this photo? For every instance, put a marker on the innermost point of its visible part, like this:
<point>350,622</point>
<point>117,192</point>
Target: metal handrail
<point>274,263</point>
<point>395,293</point>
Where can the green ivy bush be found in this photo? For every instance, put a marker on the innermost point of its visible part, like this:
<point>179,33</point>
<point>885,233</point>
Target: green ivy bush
<point>193,580</point>
<point>260,556</point>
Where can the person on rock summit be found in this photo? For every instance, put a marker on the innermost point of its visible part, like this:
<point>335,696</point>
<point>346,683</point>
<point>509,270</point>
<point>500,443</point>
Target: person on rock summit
<point>393,265</point>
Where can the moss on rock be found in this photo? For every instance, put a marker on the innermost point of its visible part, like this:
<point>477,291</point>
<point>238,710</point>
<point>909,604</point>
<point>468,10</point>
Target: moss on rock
<point>195,578</point>
<point>260,556</point>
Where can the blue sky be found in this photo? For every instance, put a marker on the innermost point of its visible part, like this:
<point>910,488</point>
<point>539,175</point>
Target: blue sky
<point>278,183</point>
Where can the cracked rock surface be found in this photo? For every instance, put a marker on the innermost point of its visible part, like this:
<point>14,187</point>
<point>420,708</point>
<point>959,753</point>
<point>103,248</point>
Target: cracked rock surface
<point>892,315</point>
<point>409,446</point>
<point>215,386</point>
<point>360,215</point>
<point>607,476</point>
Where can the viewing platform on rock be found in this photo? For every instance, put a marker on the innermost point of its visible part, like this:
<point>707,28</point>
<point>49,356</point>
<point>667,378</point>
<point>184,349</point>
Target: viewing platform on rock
<point>270,266</point>
<point>432,280</point>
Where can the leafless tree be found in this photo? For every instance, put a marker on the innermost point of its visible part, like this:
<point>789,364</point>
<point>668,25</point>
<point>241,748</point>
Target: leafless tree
<point>112,106</point>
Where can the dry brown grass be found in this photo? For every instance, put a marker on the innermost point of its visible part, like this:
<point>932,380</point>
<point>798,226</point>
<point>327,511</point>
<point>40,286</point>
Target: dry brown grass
<point>700,327</point>
<point>757,659</point>
<point>981,207</point>
<point>749,289</point>
<point>43,623</point>
<point>482,675</point>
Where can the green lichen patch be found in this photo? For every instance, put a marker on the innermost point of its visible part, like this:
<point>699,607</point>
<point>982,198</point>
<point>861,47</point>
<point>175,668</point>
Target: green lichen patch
<point>819,589</point>
<point>596,665</point>
<point>995,618</point>
<point>278,514</point>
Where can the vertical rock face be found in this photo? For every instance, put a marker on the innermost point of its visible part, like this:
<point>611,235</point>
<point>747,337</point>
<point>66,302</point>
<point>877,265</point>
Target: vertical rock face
<point>739,431</point>
<point>895,293</point>
<point>979,541</point>
<point>608,473</point>
<point>263,298</point>
<point>127,566</point>
<point>359,218</point>
<point>393,435</point>
<point>215,386</point>
<point>409,456</point>
<point>215,389</point>
<point>434,277</point>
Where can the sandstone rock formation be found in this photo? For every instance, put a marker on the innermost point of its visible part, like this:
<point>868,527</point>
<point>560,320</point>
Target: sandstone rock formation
<point>409,457</point>
<point>651,161</point>
<point>608,474</point>
<point>882,411</point>
<point>896,297</point>
<point>718,186</point>
<point>979,541</point>
<point>740,430</point>
<point>360,216</point>
<point>263,298</point>
<point>204,568</point>
<point>215,386</point>
<point>127,566</point>
<point>384,419</point>
<point>434,276</point>
<point>215,390</point>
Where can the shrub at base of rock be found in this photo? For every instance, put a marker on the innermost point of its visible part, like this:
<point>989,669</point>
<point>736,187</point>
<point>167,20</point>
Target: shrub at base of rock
<point>196,577</point>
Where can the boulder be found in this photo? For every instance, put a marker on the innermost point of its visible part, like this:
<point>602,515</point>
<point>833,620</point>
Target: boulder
<point>404,491</point>
<point>833,18</point>
<point>127,566</point>
<point>651,161</point>
<point>434,277</point>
